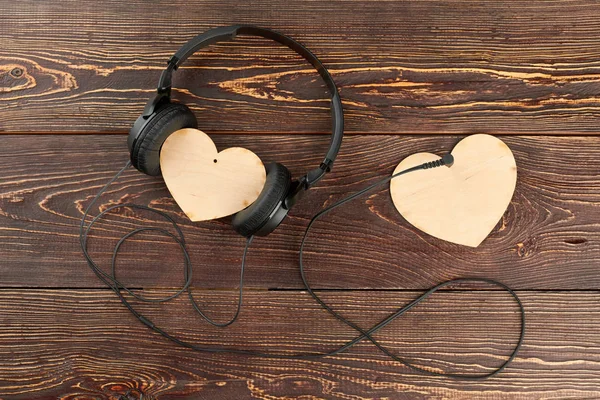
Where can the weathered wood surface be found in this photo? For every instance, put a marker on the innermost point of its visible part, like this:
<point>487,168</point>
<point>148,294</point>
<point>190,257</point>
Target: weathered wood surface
<point>548,239</point>
<point>75,344</point>
<point>402,66</point>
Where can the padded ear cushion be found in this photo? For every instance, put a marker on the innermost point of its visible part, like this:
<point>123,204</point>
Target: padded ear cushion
<point>248,221</point>
<point>170,118</point>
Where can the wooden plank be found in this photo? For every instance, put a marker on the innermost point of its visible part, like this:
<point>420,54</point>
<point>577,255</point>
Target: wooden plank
<point>403,67</point>
<point>84,344</point>
<point>548,239</point>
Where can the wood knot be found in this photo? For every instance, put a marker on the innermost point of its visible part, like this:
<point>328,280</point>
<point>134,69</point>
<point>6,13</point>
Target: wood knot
<point>526,248</point>
<point>576,241</point>
<point>16,72</point>
<point>28,78</point>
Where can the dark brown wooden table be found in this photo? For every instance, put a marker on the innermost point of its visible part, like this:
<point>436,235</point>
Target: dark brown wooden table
<point>414,76</point>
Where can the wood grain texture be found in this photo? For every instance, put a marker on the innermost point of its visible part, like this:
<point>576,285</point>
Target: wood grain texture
<point>402,67</point>
<point>548,239</point>
<point>75,344</point>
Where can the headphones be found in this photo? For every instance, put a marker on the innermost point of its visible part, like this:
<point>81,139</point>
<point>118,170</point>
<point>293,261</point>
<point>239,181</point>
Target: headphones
<point>161,118</point>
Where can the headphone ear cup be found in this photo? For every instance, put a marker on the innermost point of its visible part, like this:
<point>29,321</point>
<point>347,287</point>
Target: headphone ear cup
<point>146,153</point>
<point>277,185</point>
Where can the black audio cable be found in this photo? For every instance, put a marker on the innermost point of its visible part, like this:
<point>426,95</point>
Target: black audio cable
<point>113,283</point>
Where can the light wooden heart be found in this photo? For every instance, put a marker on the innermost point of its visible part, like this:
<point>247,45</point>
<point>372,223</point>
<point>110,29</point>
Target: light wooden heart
<point>461,203</point>
<point>205,183</point>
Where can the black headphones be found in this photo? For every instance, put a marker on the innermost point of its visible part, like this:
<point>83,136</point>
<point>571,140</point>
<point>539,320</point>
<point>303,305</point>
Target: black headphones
<point>161,118</point>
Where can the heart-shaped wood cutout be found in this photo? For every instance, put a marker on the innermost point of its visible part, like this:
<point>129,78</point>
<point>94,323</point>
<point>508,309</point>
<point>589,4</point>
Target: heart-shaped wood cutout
<point>205,183</point>
<point>461,203</point>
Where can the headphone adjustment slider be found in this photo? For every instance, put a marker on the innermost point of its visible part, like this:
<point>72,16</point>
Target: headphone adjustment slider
<point>326,165</point>
<point>316,174</point>
<point>173,62</point>
<point>165,77</point>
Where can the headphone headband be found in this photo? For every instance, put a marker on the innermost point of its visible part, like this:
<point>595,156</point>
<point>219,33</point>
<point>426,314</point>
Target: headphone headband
<point>229,33</point>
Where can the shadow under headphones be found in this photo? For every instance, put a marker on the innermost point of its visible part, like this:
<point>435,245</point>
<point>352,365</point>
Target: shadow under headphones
<point>161,118</point>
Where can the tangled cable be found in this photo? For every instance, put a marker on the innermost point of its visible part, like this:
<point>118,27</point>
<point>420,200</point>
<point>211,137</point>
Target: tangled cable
<point>113,283</point>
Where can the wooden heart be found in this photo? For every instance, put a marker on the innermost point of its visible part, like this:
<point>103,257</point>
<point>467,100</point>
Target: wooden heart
<point>461,203</point>
<point>205,183</point>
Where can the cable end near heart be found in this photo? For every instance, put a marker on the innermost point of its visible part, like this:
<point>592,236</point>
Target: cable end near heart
<point>448,160</point>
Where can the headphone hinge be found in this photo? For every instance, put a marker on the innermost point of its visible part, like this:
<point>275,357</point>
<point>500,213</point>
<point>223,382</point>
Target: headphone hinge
<point>152,104</point>
<point>173,61</point>
<point>164,91</point>
<point>296,192</point>
<point>326,165</point>
<point>165,78</point>
<point>316,174</point>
